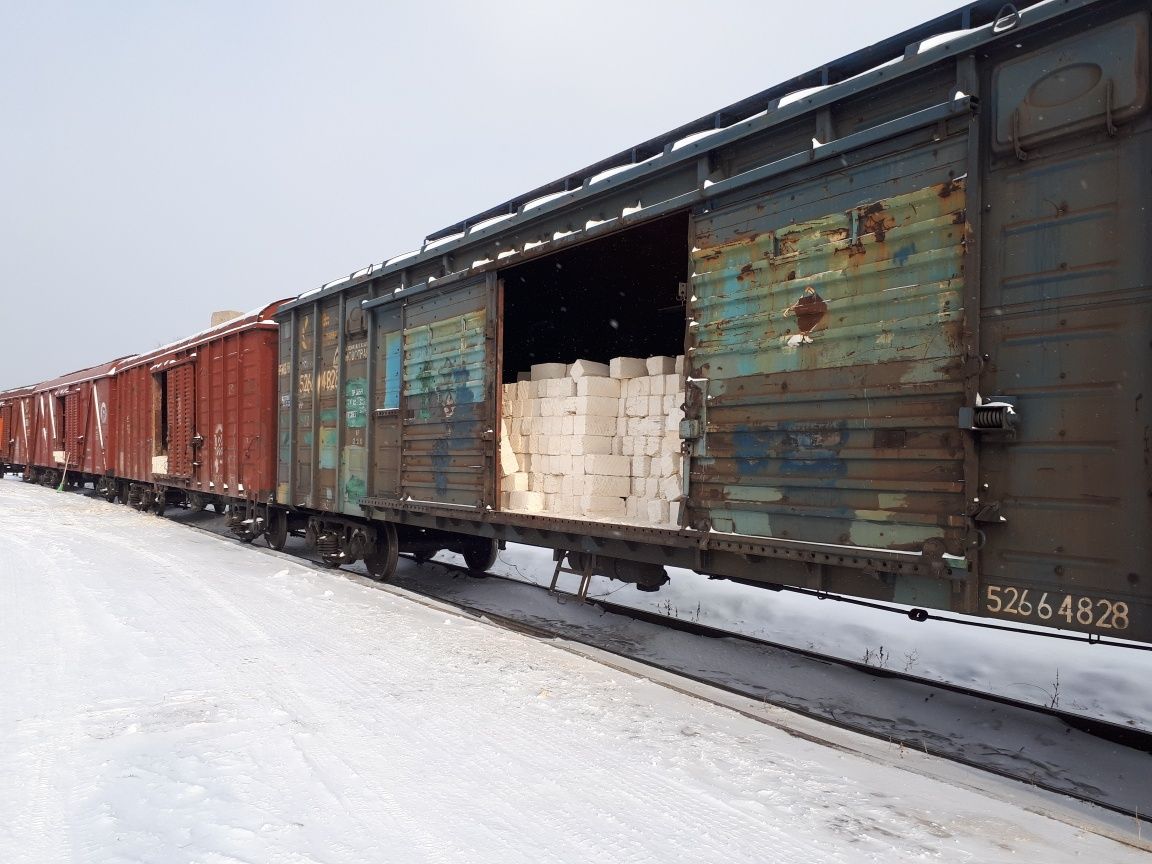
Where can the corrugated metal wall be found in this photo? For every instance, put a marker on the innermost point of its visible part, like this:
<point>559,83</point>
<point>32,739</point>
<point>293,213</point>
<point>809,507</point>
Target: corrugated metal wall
<point>235,391</point>
<point>827,319</point>
<point>134,421</point>
<point>447,451</point>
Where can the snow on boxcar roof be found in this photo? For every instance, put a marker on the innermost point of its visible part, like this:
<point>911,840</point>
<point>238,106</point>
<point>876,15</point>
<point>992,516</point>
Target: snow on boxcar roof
<point>259,315</point>
<point>102,370</point>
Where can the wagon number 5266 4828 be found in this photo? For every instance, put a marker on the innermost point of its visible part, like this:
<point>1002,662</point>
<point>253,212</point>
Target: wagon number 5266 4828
<point>1096,612</point>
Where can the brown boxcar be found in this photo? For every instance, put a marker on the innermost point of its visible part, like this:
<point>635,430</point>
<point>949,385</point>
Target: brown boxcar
<point>196,419</point>
<point>69,436</point>
<point>23,412</point>
<point>14,425</point>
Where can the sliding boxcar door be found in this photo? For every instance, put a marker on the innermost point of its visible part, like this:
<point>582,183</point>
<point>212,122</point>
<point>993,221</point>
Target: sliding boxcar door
<point>305,404</point>
<point>827,335</point>
<point>388,364</point>
<point>181,418</point>
<point>449,444</point>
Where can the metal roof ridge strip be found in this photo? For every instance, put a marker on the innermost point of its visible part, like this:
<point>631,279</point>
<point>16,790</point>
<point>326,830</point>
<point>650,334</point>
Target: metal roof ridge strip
<point>264,314</point>
<point>910,61</point>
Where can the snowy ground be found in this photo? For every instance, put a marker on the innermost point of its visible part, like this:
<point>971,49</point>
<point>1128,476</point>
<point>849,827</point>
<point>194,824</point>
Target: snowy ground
<point>1043,750</point>
<point>171,696</point>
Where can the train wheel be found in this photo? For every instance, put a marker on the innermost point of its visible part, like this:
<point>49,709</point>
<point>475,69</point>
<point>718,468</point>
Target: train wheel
<point>382,563</point>
<point>277,533</point>
<point>481,556</point>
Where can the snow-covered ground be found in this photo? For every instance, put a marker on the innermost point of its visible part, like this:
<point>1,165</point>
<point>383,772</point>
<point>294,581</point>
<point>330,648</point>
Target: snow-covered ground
<point>171,696</point>
<point>1041,750</point>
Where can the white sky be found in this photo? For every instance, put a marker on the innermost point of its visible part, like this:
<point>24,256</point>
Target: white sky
<point>161,160</point>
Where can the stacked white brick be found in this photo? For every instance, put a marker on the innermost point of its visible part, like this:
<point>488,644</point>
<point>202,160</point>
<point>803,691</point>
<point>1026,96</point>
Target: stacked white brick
<point>595,440</point>
<point>648,426</point>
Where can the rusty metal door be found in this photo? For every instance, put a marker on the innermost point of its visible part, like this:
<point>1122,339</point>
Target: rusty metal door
<point>448,446</point>
<point>285,376</point>
<point>353,395</point>
<point>180,390</point>
<point>1065,507</point>
<point>387,372</point>
<point>825,342</point>
<point>326,422</point>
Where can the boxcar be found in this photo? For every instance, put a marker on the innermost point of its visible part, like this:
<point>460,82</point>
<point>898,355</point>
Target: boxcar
<point>196,420</point>
<point>69,437</point>
<point>14,426</point>
<point>913,292</point>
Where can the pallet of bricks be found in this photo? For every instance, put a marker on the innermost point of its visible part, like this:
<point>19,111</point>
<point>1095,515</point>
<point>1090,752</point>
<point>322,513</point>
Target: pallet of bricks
<point>594,440</point>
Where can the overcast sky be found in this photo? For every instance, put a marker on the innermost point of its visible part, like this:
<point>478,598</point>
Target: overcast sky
<point>161,160</point>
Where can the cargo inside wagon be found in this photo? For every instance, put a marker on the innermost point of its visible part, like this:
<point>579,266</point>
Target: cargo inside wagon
<point>592,396</point>
<point>595,440</point>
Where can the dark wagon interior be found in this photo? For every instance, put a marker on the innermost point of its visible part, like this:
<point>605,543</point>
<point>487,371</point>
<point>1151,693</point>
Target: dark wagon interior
<point>615,296</point>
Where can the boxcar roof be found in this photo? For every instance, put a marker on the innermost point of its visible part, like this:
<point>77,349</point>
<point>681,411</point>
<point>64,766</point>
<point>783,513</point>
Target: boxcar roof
<point>259,317</point>
<point>103,370</point>
<point>17,392</point>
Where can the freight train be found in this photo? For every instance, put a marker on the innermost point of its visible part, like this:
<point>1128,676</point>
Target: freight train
<point>884,330</point>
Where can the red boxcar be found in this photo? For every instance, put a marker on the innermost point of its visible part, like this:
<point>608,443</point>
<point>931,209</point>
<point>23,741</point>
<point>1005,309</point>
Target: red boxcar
<point>67,431</point>
<point>196,420</point>
<point>15,420</point>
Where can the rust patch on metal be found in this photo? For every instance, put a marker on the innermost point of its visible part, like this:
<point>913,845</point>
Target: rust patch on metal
<point>875,221</point>
<point>811,313</point>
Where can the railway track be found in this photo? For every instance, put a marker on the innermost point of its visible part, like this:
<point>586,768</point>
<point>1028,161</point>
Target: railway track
<point>1130,745</point>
